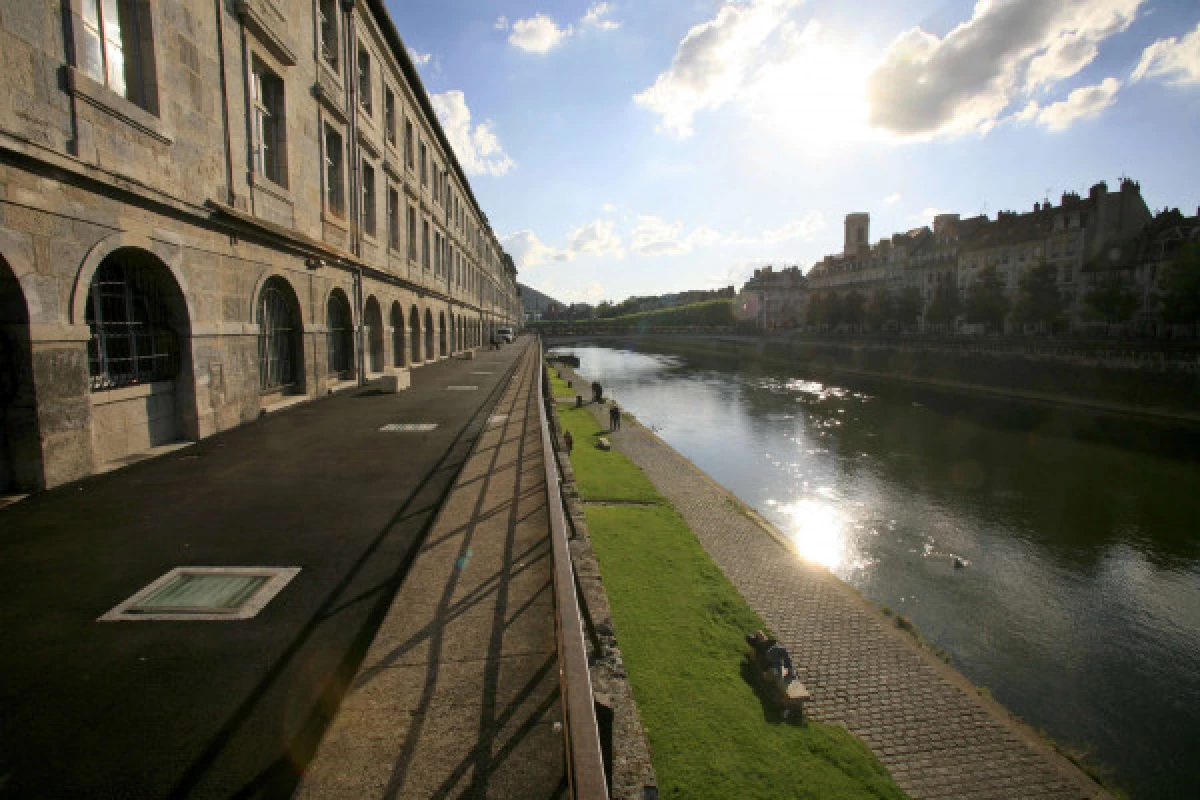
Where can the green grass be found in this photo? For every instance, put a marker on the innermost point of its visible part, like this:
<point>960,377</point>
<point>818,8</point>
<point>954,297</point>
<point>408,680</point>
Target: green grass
<point>680,624</point>
<point>558,387</point>
<point>603,475</point>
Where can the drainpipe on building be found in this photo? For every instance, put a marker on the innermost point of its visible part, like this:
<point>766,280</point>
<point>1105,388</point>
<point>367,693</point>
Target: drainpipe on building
<point>355,204</point>
<point>250,143</point>
<point>230,197</point>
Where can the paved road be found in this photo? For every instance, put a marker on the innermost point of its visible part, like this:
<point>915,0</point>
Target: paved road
<point>220,709</point>
<point>458,695</point>
<point>925,723</point>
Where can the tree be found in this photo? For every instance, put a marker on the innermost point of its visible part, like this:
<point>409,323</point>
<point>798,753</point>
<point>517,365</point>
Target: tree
<point>1180,285</point>
<point>906,309</point>
<point>1111,300</point>
<point>1040,302</point>
<point>986,302</point>
<point>945,306</point>
<point>852,308</point>
<point>879,309</point>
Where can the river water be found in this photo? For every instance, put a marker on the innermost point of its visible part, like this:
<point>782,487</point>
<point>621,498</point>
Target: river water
<point>1079,607</point>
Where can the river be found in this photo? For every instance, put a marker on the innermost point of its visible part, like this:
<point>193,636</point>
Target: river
<point>1079,605</point>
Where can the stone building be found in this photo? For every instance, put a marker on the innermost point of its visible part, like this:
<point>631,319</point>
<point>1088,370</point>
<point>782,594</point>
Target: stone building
<point>1071,235</point>
<point>211,209</point>
<point>773,298</point>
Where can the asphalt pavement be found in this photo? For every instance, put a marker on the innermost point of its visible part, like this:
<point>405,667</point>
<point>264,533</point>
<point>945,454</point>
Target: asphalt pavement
<point>221,708</point>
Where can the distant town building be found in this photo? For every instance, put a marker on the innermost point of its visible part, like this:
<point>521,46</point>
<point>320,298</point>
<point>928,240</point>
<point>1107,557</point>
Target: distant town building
<point>1107,236</point>
<point>773,299</point>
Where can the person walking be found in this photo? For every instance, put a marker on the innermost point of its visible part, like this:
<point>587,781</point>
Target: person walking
<point>568,441</point>
<point>614,418</point>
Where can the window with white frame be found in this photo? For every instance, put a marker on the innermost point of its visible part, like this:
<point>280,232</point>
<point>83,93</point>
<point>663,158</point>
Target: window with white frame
<point>368,198</point>
<point>412,234</point>
<point>116,49</point>
<point>328,23</point>
<point>389,115</point>
<point>393,211</point>
<point>364,79</point>
<point>270,152</point>
<point>425,243</point>
<point>335,197</point>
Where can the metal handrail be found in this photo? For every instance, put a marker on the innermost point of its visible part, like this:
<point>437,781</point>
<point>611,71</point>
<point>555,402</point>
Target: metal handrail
<point>585,763</point>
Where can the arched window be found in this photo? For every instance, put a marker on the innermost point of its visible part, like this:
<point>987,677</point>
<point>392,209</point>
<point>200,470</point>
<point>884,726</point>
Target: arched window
<point>430,353</point>
<point>278,337</point>
<point>414,334</point>
<point>341,336</point>
<point>397,335</point>
<point>129,313</point>
<point>373,325</point>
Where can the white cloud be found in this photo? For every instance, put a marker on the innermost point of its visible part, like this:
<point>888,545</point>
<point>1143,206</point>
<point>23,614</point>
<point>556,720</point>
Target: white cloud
<point>478,150</point>
<point>892,199</point>
<point>420,59</point>
<point>713,62</point>
<point>804,228</point>
<point>597,17</point>
<point>527,250</point>
<point>595,238</point>
<point>501,23</point>
<point>608,208</point>
<point>656,237</point>
<point>1083,103</point>
<point>928,85</point>
<point>538,34</point>
<point>1176,60</point>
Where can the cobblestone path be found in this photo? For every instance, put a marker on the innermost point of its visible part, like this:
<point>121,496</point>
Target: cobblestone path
<point>923,720</point>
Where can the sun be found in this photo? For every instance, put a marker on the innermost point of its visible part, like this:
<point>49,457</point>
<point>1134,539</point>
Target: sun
<point>813,98</point>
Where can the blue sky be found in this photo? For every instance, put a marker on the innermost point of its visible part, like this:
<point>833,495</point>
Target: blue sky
<point>654,146</point>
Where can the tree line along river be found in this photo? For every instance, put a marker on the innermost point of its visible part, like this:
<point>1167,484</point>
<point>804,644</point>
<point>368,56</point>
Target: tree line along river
<point>1079,605</point>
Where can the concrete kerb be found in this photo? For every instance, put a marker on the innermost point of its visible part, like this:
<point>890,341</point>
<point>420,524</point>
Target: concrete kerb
<point>632,767</point>
<point>1021,730</point>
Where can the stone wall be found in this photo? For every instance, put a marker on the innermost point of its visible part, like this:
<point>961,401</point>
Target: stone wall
<point>88,177</point>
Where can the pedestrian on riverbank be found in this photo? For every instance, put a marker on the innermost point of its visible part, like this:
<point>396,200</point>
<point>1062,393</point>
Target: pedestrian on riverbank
<point>568,441</point>
<point>597,392</point>
<point>614,418</point>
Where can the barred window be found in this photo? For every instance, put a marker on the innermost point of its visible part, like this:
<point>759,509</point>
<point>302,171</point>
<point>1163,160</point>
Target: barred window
<point>278,338</point>
<point>341,335</point>
<point>128,312</point>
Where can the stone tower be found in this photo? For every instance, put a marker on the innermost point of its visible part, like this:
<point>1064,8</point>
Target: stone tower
<point>858,234</point>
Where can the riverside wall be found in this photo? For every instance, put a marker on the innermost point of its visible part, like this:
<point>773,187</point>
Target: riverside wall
<point>1158,383</point>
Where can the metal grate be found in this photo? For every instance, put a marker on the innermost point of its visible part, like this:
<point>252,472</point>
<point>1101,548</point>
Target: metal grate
<point>205,593</point>
<point>131,339</point>
<point>461,388</point>
<point>408,427</point>
<point>276,340</point>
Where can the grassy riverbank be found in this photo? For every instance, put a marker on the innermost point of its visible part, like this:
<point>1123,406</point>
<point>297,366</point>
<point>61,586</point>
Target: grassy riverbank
<point>680,624</point>
<point>558,387</point>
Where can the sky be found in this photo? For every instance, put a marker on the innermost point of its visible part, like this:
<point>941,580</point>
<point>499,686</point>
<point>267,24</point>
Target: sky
<point>635,148</point>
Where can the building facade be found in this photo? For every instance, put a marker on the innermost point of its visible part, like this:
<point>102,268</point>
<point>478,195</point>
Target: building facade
<point>773,299</point>
<point>1105,236</point>
<point>209,209</point>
